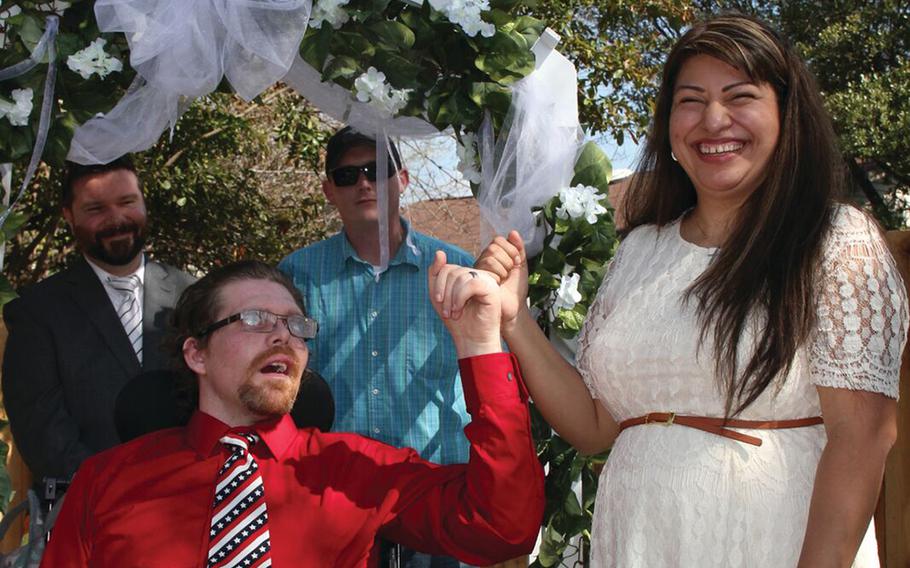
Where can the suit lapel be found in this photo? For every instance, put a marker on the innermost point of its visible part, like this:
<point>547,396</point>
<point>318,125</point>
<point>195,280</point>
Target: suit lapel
<point>89,294</point>
<point>160,295</point>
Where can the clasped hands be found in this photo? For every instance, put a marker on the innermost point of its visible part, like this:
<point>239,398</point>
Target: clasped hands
<point>478,304</point>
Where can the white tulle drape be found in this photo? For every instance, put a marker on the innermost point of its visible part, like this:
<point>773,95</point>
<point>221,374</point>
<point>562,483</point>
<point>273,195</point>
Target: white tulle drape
<point>535,152</point>
<point>181,50</point>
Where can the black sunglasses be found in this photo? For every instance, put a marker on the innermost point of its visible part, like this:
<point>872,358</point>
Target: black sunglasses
<point>348,175</point>
<point>261,321</point>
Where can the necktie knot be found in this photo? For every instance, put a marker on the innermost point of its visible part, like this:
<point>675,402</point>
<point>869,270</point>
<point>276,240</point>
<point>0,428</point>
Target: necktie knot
<point>239,442</point>
<point>126,284</point>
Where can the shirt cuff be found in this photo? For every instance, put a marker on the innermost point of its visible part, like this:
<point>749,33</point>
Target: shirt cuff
<point>490,377</point>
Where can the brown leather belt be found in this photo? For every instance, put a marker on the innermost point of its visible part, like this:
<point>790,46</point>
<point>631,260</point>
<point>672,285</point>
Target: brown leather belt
<point>720,426</point>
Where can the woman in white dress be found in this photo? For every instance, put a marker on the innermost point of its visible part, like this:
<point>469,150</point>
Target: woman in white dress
<point>741,290</point>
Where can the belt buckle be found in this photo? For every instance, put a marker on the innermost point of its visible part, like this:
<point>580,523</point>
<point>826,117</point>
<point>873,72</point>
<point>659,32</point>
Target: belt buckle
<point>667,422</point>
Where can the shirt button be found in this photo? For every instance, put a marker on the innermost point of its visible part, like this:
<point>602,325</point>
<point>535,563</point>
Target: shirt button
<point>374,313</point>
<point>375,430</point>
<point>375,392</point>
<point>375,353</point>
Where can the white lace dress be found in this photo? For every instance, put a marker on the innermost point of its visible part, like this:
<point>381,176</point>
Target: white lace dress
<point>676,496</point>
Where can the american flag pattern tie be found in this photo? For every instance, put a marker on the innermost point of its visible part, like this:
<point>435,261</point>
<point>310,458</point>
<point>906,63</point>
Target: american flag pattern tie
<point>239,535</point>
<point>128,311</point>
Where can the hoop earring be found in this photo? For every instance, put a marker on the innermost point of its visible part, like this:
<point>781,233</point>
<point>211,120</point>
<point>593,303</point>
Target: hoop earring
<point>672,155</point>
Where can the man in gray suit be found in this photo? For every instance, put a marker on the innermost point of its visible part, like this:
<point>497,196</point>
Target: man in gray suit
<point>77,337</point>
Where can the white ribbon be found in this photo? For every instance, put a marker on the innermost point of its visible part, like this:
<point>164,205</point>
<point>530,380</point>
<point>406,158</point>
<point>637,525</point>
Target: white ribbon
<point>47,44</point>
<point>182,49</point>
<point>534,155</point>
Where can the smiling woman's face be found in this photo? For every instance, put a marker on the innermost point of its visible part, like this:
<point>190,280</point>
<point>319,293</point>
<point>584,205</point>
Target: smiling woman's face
<point>723,128</point>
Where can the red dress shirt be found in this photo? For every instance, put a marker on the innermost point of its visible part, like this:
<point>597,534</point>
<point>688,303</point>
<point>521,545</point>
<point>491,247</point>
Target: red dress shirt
<point>148,502</point>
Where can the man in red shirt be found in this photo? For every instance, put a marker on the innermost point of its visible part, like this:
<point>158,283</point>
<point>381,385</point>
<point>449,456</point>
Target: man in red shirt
<point>240,485</point>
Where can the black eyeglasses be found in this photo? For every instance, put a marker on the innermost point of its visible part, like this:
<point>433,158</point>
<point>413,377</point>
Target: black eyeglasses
<point>348,175</point>
<point>261,321</point>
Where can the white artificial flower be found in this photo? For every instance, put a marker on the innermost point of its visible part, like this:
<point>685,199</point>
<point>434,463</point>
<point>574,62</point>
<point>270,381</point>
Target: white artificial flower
<point>467,158</point>
<point>392,100</point>
<point>466,13</point>
<point>581,201</point>
<point>330,11</point>
<point>93,59</point>
<point>18,111</point>
<point>371,87</point>
<point>369,84</point>
<point>567,295</point>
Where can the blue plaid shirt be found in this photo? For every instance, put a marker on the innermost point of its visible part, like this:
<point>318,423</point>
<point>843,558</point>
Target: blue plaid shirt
<point>387,355</point>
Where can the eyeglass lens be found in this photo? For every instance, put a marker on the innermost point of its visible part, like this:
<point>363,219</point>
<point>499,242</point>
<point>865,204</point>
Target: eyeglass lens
<point>263,321</point>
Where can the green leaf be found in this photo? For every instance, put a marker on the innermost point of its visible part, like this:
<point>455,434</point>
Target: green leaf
<point>571,319</point>
<point>423,32</point>
<point>352,44</point>
<point>552,546</point>
<point>314,49</point>
<point>12,225</point>
<point>460,109</point>
<point>571,505</point>
<point>528,28</point>
<point>593,168</point>
<point>341,67</point>
<point>30,31</point>
<point>400,71</point>
<point>7,292</point>
<point>505,57</point>
<point>68,44</point>
<point>493,96</point>
<point>394,34</point>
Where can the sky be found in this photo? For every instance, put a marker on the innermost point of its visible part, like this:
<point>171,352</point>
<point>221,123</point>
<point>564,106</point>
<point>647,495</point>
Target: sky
<point>432,164</point>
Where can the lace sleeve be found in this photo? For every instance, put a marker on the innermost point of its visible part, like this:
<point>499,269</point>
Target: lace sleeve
<point>862,311</point>
<point>595,318</point>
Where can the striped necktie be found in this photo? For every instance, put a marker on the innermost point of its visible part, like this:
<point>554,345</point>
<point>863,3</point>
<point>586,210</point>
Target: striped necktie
<point>128,310</point>
<point>239,535</point>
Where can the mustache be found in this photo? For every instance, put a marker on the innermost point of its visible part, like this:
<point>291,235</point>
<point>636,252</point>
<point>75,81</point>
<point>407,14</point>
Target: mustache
<point>294,368</point>
<point>119,229</point>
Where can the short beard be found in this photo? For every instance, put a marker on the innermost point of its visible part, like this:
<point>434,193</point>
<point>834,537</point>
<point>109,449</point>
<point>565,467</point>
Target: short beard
<point>270,398</point>
<point>122,253</point>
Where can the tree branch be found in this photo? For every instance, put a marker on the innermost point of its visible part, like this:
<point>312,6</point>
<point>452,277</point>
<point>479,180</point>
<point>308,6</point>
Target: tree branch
<point>266,100</point>
<point>890,171</point>
<point>861,180</point>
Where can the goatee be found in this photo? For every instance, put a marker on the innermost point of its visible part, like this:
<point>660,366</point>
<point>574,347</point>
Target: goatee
<point>271,397</point>
<point>117,252</point>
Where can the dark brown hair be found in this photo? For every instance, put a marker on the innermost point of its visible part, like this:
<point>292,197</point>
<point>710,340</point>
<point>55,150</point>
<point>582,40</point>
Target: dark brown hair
<point>75,172</point>
<point>767,267</point>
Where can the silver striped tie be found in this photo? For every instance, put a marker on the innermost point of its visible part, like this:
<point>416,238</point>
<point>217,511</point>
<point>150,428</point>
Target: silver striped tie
<point>128,310</point>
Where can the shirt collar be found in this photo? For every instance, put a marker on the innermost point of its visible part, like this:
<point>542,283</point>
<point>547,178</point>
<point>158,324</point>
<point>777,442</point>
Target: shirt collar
<point>103,274</point>
<point>204,431</point>
<point>408,253</point>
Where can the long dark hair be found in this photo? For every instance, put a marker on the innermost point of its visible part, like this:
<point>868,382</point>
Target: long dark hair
<point>768,265</point>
